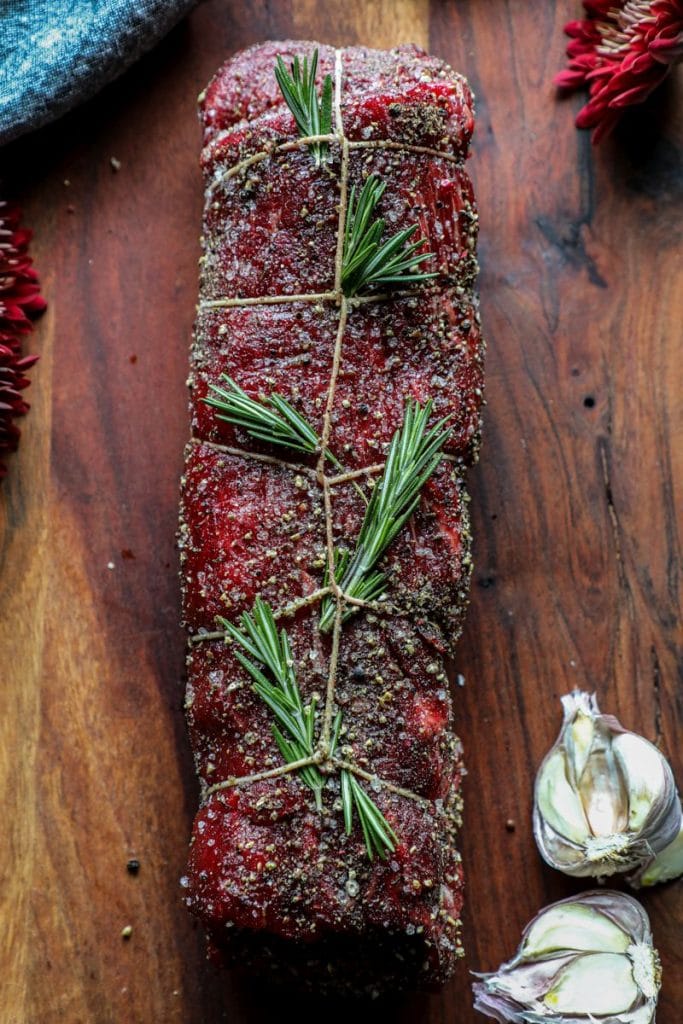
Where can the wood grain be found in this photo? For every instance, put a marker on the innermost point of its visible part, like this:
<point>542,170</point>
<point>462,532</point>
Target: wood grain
<point>576,505</point>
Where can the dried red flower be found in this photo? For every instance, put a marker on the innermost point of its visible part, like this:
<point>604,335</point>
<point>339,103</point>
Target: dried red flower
<point>622,51</point>
<point>20,300</point>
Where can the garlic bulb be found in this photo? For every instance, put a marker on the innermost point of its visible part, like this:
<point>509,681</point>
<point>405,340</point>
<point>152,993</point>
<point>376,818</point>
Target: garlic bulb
<point>605,799</point>
<point>587,958</point>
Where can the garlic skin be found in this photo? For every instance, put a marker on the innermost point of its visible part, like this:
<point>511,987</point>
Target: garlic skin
<point>586,958</point>
<point>666,865</point>
<point>605,799</point>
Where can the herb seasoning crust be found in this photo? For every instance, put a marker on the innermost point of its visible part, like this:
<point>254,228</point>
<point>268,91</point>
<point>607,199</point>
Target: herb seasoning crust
<point>279,885</point>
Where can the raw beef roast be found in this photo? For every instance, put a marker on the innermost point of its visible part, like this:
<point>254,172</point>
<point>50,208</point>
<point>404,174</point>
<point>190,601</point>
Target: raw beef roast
<point>278,884</point>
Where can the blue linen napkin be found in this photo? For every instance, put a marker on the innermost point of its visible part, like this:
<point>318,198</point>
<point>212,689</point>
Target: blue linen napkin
<point>56,53</point>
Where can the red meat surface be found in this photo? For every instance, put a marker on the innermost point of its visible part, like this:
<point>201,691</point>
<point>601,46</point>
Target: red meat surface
<point>278,884</point>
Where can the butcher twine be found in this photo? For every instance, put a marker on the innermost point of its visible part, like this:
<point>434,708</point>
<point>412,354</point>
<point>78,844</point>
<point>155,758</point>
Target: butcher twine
<point>321,756</point>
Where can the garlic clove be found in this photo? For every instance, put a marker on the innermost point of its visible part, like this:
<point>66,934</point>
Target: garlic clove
<point>528,982</point>
<point>559,802</point>
<point>612,977</point>
<point>579,741</point>
<point>624,910</point>
<point>668,864</point>
<point>603,792</point>
<point>573,926</point>
<point>645,772</point>
<point>596,983</point>
<point>565,856</point>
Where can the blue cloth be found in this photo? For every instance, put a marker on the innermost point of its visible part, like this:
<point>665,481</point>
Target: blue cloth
<point>55,53</point>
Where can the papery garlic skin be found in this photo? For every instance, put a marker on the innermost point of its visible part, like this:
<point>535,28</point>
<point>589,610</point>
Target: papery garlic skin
<point>605,799</point>
<point>586,958</point>
<point>666,865</point>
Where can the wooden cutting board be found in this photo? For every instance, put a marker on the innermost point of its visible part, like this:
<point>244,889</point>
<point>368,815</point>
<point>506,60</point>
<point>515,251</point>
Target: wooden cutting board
<point>577,579</point>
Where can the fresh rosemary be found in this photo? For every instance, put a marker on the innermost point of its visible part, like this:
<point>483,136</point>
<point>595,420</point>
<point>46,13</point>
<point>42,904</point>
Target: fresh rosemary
<point>370,588</point>
<point>367,260</point>
<point>268,650</point>
<point>273,420</point>
<point>313,116</point>
<point>414,454</point>
<point>260,639</point>
<point>378,834</point>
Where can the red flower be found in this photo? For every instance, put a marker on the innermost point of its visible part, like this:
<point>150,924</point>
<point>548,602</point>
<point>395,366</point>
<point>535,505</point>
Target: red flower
<point>20,300</point>
<point>622,51</point>
<point>12,383</point>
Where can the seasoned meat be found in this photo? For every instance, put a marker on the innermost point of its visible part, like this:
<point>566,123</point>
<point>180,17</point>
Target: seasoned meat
<point>278,884</point>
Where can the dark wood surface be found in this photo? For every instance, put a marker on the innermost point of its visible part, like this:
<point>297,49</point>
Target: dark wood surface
<point>577,543</point>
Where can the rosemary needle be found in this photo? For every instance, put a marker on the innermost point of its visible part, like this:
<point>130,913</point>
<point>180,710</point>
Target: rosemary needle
<point>369,261</point>
<point>266,652</point>
<point>414,454</point>
<point>313,116</point>
<point>378,834</point>
<point>273,420</point>
<point>267,649</point>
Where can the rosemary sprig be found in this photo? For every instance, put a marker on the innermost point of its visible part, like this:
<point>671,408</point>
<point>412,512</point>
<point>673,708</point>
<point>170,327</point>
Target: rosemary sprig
<point>414,454</point>
<point>378,834</point>
<point>313,116</point>
<point>368,261</point>
<point>273,420</point>
<point>271,651</point>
